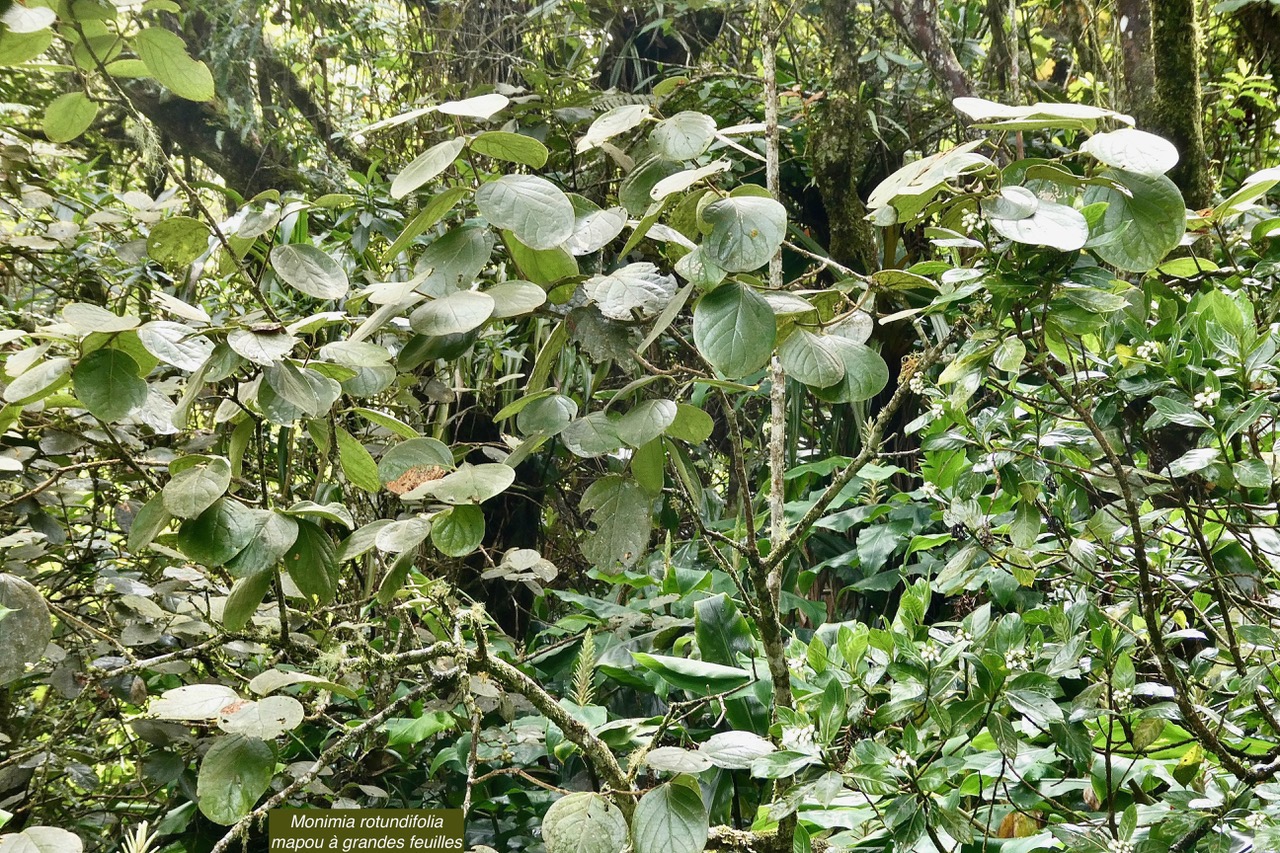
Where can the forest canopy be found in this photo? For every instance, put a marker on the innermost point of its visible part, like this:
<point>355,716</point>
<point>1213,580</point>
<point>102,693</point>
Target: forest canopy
<point>654,427</point>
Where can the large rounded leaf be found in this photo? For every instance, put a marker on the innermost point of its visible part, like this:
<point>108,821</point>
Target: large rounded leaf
<point>512,147</point>
<point>38,382</point>
<point>531,208</point>
<point>193,703</point>
<point>513,298</point>
<point>1057,226</point>
<point>107,383</point>
<point>612,123</point>
<point>683,136</point>
<point>646,421</point>
<point>548,415</point>
<point>454,314</point>
<point>584,823</point>
<point>176,344</point>
<point>235,773</point>
<point>636,290</point>
<point>670,819</point>
<point>312,563</point>
<point>219,533</point>
<point>69,116</point>
<point>736,750</point>
<point>470,484</point>
<point>309,270</point>
<point>265,719</point>
<point>734,329</point>
<point>178,241</point>
<point>1134,150</point>
<point>1152,214</point>
<point>26,628</point>
<point>416,453</point>
<point>426,166</point>
<point>193,490</point>
<point>458,530</point>
<point>865,373</point>
<point>40,839</point>
<point>745,231</point>
<point>165,55</point>
<point>808,358</point>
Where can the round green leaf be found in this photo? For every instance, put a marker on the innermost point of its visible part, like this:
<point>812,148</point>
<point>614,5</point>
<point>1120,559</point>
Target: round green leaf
<point>275,535</point>
<point>1057,226</point>
<point>403,535</point>
<point>426,166</point>
<point>262,347</point>
<point>107,383</point>
<point>595,229</point>
<point>455,314</point>
<point>512,147</point>
<point>593,435</point>
<point>165,55</point>
<point>265,719</point>
<point>634,290</point>
<point>312,563</point>
<point>734,329</point>
<point>584,823</point>
<point>235,773</point>
<point>193,490</point>
<point>27,628</point>
<point>90,318</point>
<point>458,530</point>
<point>670,819</point>
<point>513,298</point>
<point>17,48</point>
<point>674,759</point>
<point>193,703</point>
<point>1155,217</point>
<point>531,208</point>
<point>865,373</point>
<point>1133,150</point>
<point>309,270</point>
<point>691,424</point>
<point>736,750</point>
<point>548,416</point>
<point>178,241</point>
<point>176,344</point>
<point>807,358</point>
<point>21,18</point>
<point>745,231</point>
<point>612,123</point>
<point>69,116</point>
<point>646,421</point>
<point>38,382</point>
<point>470,484</point>
<point>217,534</point>
<point>635,188</point>
<point>40,839</point>
<point>414,453</point>
<point>683,136</point>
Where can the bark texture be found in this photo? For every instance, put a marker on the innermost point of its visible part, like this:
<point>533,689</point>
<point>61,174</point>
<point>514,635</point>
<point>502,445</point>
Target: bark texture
<point>922,26</point>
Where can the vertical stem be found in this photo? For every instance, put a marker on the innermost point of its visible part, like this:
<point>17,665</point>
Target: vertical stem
<point>778,378</point>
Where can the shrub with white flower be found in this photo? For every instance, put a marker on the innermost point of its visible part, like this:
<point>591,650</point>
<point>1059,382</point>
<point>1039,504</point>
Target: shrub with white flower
<point>798,738</point>
<point>917,383</point>
<point>970,220</point>
<point>1016,658</point>
<point>1206,399</point>
<point>1148,350</point>
<point>1120,845</point>
<point>931,654</point>
<point>902,760</point>
<point>1256,820</point>
<point>1122,699</point>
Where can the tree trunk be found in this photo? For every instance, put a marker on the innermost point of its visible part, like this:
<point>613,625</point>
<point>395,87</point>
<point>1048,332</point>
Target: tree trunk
<point>1160,42</point>
<point>1179,101</point>
<point>920,23</point>
<point>839,146</point>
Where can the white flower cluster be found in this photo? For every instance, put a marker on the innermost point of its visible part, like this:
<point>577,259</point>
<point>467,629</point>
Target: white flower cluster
<point>1148,350</point>
<point>1256,820</point>
<point>798,738</point>
<point>902,760</point>
<point>964,635</point>
<point>931,492</point>
<point>1206,399</point>
<point>1122,699</point>
<point>917,383</point>
<point>970,220</point>
<point>931,654</point>
<point>1016,658</point>
<point>1119,845</point>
